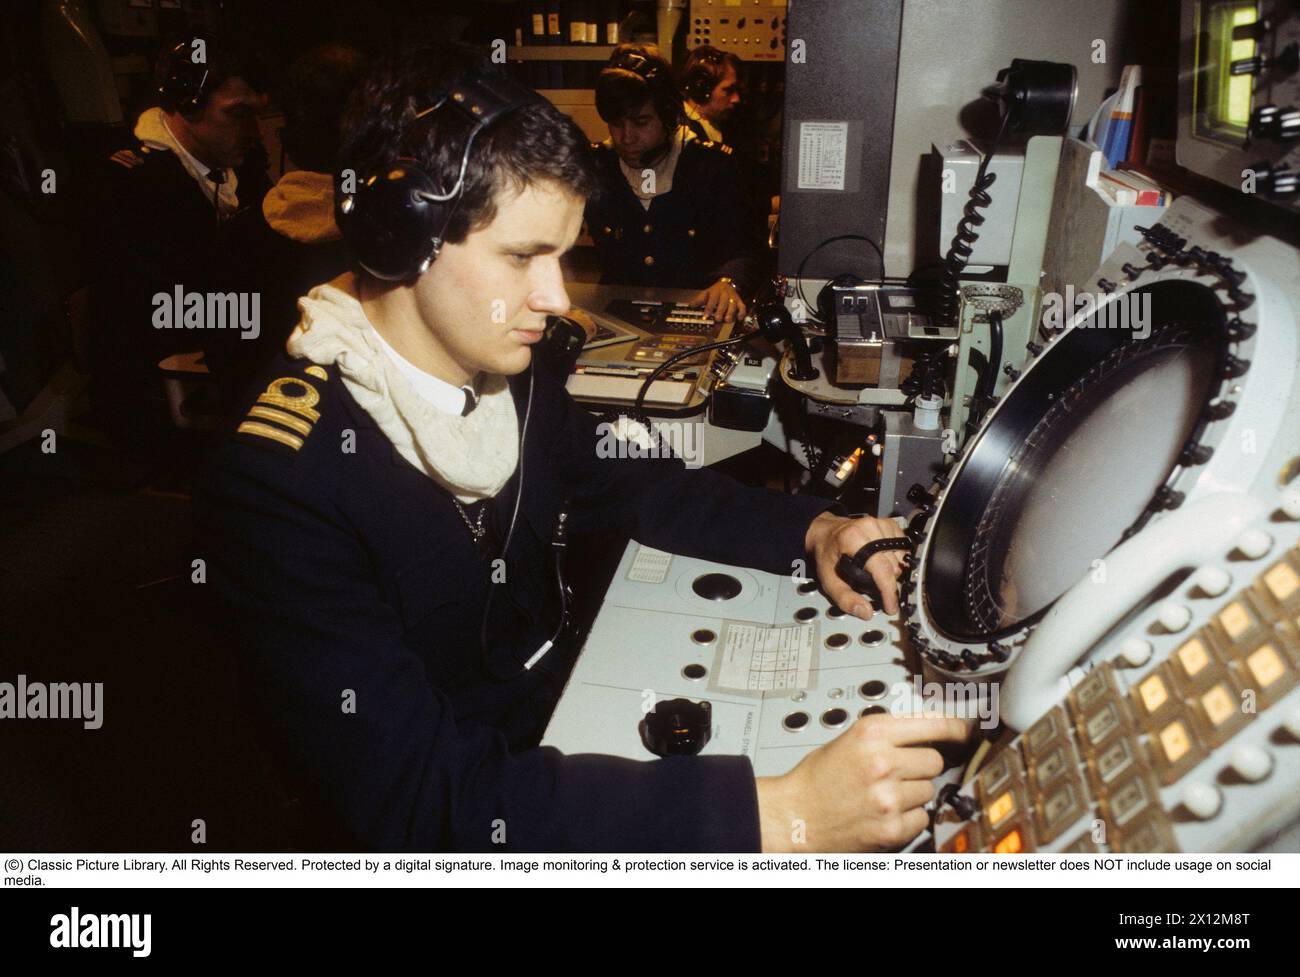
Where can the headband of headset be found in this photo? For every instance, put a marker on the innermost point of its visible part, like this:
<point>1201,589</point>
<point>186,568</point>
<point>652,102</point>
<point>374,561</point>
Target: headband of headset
<point>638,64</point>
<point>396,221</point>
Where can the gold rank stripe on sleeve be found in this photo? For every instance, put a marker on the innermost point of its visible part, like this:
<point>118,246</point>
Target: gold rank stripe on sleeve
<point>273,433</point>
<point>289,405</point>
<point>280,417</point>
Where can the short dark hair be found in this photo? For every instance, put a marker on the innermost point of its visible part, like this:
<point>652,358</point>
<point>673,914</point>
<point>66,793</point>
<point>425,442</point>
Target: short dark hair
<point>316,92</point>
<point>620,89</point>
<point>178,77</point>
<point>534,144</point>
<point>707,63</point>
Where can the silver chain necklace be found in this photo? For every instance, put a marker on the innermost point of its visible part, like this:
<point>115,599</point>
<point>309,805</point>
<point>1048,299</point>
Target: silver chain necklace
<point>476,528</point>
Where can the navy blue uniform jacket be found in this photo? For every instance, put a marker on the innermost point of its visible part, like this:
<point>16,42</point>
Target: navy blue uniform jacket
<point>349,576</point>
<point>689,237</point>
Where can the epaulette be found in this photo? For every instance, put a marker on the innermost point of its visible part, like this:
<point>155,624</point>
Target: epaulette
<point>284,414</point>
<point>720,146</point>
<point>127,158</point>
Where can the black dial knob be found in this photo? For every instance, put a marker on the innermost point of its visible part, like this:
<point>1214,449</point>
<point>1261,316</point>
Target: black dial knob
<point>1278,124</point>
<point>677,727</point>
<point>1275,182</point>
<point>1287,60</point>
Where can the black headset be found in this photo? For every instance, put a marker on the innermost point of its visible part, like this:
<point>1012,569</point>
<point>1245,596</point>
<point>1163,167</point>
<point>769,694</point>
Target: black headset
<point>396,220</point>
<point>700,79</point>
<point>183,82</point>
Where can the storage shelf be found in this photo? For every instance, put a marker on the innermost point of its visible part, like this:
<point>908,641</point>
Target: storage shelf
<point>560,52</point>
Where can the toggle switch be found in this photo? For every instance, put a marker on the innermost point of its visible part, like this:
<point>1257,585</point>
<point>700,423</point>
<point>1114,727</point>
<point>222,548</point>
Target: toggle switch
<point>1213,581</point>
<point>1202,799</point>
<point>1254,543</point>
<point>1251,763</point>
<point>1135,652</point>
<point>1174,617</point>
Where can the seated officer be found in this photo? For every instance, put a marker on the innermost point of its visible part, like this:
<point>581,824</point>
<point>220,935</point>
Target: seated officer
<point>710,91</point>
<point>381,526</point>
<point>197,160</point>
<point>669,212</point>
<point>712,97</point>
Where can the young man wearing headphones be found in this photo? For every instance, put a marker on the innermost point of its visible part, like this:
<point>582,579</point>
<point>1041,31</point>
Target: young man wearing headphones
<point>196,160</point>
<point>385,526</point>
<point>670,212</point>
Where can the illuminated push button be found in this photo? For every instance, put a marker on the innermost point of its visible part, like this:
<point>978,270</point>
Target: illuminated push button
<point>1174,617</point>
<point>1254,543</point>
<point>1013,842</point>
<point>1177,749</point>
<point>1152,694</point>
<point>1252,763</point>
<point>649,260</point>
<point>1193,658</point>
<point>1270,671</point>
<point>1135,652</point>
<point>1001,809</point>
<point>1213,580</point>
<point>1203,800</point>
<point>1282,583</point>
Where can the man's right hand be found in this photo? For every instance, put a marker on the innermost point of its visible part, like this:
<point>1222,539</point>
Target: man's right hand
<point>863,791</point>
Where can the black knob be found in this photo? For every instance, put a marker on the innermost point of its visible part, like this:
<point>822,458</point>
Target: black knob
<point>1238,331</point>
<point>1278,124</point>
<point>677,727</point>
<point>1247,66</point>
<point>1287,60</point>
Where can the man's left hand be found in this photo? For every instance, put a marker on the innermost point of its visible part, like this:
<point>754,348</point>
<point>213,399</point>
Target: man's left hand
<point>830,536</point>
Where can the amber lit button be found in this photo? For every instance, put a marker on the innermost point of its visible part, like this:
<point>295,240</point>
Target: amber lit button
<point>649,259</point>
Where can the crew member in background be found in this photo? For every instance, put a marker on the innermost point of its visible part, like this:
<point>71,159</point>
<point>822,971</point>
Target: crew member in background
<point>714,99</point>
<point>711,93</point>
<point>291,242</point>
<point>197,160</point>
<point>670,211</point>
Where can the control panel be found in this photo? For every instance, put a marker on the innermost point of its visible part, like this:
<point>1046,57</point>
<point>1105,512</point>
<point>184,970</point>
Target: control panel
<point>782,669</point>
<point>753,30</point>
<point>1183,736</point>
<point>1239,96</point>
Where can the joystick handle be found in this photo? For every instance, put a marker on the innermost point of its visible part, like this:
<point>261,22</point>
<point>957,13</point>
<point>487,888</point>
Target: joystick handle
<point>853,569</point>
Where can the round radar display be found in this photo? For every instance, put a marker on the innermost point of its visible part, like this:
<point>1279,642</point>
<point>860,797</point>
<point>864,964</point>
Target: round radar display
<point>1077,456</point>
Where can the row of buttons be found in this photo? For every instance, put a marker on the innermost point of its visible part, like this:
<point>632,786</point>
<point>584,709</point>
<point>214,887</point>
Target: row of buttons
<point>1209,689</point>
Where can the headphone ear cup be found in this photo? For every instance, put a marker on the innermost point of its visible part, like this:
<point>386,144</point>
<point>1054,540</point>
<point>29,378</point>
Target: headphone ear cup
<point>699,85</point>
<point>392,230</point>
